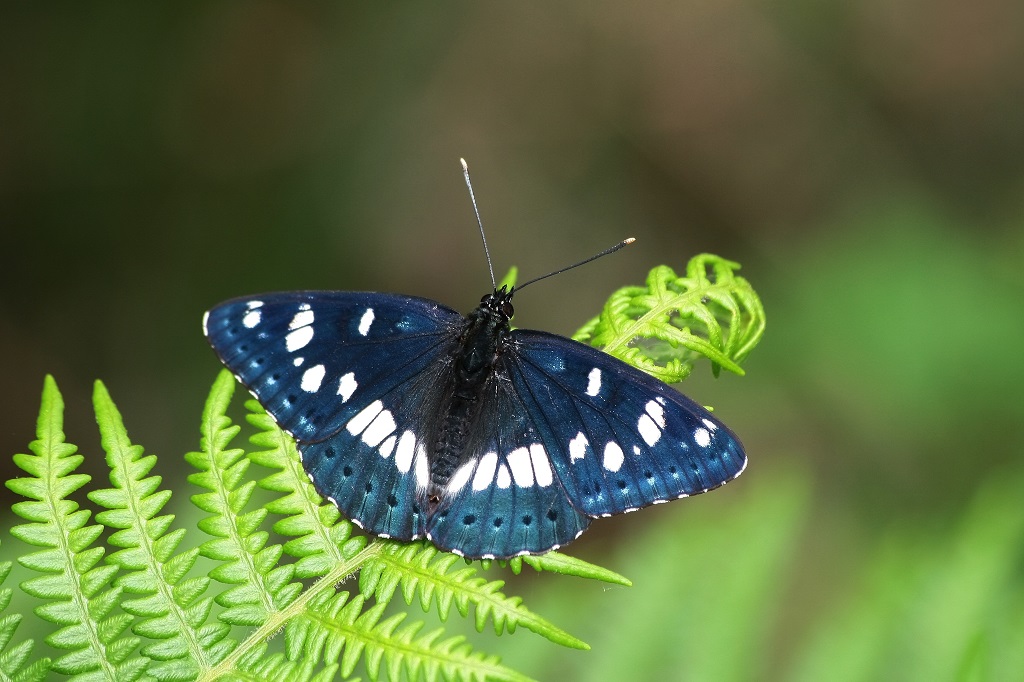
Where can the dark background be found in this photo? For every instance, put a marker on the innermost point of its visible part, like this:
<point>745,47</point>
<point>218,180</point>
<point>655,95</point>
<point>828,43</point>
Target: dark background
<point>863,161</point>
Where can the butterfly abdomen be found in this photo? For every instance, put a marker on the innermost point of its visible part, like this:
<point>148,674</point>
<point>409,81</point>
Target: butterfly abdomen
<point>479,347</point>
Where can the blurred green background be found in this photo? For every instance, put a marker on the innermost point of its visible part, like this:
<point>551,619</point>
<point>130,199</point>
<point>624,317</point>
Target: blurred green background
<point>863,161</point>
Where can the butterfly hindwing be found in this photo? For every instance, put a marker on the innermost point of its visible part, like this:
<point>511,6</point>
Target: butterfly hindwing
<point>373,468</point>
<point>619,439</point>
<point>505,499</point>
<point>351,376</point>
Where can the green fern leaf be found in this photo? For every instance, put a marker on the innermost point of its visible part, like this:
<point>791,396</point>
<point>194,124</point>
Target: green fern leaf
<point>421,568</point>
<point>80,598</point>
<point>664,327</point>
<point>170,608</point>
<point>260,586</point>
<point>335,626</point>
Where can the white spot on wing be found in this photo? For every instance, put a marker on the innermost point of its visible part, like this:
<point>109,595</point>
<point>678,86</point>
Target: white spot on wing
<point>387,447</point>
<point>648,429</point>
<point>347,386</point>
<point>710,424</point>
<point>312,378</point>
<point>613,456</point>
<point>504,479</point>
<point>253,305</point>
<point>366,321</point>
<point>406,448</point>
<point>298,339</point>
<point>657,413</point>
<point>460,478</point>
<point>578,447</point>
<point>252,318</point>
<point>422,468</point>
<point>541,465</point>
<point>359,422</point>
<point>702,436</point>
<point>485,471</point>
<point>298,361</point>
<point>379,429</point>
<point>522,471</point>
<point>594,382</point>
<point>303,318</point>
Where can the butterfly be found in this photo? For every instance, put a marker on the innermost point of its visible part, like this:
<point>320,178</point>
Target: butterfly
<point>490,442</point>
<point>417,421</point>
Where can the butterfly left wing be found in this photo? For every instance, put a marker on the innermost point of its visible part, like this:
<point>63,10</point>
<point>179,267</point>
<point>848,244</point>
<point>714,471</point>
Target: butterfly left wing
<point>350,376</point>
<point>618,439</point>
<point>505,499</point>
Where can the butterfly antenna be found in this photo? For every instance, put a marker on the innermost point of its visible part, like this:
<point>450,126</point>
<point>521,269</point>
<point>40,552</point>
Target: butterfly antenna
<point>624,242</point>
<point>480,223</point>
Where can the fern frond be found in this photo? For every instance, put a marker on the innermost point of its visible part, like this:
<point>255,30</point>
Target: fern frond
<point>321,539</point>
<point>12,660</point>
<point>80,598</point>
<point>336,627</point>
<point>664,327</point>
<point>261,585</point>
<point>423,569</point>
<point>170,607</point>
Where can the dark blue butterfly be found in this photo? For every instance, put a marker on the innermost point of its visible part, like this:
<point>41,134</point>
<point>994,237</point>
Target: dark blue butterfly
<point>419,422</point>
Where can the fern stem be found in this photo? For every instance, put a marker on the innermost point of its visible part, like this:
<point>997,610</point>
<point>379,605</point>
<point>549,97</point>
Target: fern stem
<point>277,621</point>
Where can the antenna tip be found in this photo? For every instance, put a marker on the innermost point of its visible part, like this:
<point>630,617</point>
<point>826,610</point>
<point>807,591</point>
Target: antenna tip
<point>465,166</point>
<point>628,241</point>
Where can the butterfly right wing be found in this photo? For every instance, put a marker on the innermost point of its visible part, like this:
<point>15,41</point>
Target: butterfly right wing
<point>619,439</point>
<point>352,376</point>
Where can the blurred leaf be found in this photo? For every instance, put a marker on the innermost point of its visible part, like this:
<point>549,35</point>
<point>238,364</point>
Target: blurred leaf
<point>925,611</point>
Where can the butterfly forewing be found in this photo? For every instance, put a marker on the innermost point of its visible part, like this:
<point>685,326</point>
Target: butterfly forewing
<point>505,499</point>
<point>619,439</point>
<point>316,359</point>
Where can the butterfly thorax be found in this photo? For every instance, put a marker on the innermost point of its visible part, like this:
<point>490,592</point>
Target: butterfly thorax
<point>480,346</point>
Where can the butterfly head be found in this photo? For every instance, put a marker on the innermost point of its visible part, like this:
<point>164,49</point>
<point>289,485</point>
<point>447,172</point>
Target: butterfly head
<point>500,302</point>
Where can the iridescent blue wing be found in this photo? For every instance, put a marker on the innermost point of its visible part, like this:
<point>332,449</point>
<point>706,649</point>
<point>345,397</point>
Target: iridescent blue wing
<point>353,377</point>
<point>618,439</point>
<point>505,499</point>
